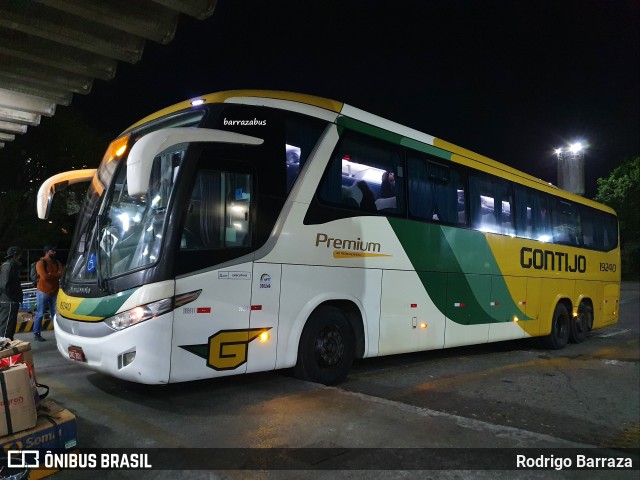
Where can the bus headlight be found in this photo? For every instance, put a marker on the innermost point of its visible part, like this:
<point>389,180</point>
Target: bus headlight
<point>139,314</point>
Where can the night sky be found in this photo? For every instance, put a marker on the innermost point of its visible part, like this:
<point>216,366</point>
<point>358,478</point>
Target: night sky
<point>510,79</point>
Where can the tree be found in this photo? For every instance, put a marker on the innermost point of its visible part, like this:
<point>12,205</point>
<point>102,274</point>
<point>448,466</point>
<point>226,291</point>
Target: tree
<point>621,191</point>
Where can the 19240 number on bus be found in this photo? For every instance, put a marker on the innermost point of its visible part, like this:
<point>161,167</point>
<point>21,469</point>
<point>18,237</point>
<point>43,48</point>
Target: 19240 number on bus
<point>607,267</point>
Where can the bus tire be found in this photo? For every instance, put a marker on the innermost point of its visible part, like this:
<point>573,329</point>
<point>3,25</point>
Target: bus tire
<point>560,326</point>
<point>325,352</point>
<point>581,324</point>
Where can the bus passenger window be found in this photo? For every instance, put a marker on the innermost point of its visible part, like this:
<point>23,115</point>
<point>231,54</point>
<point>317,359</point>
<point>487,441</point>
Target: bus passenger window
<point>590,231</point>
<point>366,175</point>
<point>436,191</point>
<point>532,217</point>
<point>301,136</point>
<point>292,164</point>
<point>566,223</point>
<point>599,229</point>
<point>491,204</point>
<point>609,226</point>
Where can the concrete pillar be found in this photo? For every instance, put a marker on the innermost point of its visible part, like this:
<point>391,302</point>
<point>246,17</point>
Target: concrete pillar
<point>571,172</point>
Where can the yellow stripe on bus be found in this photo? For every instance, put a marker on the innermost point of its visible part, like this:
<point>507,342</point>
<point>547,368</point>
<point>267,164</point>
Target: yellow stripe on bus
<point>68,305</point>
<point>221,97</point>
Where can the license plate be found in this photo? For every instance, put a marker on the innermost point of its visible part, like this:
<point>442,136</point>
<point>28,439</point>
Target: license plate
<point>76,353</point>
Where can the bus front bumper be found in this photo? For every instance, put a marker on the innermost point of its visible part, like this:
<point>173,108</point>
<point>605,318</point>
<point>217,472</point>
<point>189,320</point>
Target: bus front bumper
<point>141,353</point>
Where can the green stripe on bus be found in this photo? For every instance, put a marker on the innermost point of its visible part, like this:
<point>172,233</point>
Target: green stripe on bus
<point>425,148</point>
<point>103,307</point>
<point>458,271</point>
<point>365,128</point>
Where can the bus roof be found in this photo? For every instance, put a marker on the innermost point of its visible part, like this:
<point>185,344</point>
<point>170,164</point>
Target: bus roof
<point>457,154</point>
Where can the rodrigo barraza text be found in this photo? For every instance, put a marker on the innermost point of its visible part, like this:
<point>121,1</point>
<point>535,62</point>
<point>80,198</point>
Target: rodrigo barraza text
<point>580,461</point>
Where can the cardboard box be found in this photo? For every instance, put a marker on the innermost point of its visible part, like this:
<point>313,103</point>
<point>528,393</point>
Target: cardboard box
<point>16,347</point>
<point>17,405</point>
<point>55,429</point>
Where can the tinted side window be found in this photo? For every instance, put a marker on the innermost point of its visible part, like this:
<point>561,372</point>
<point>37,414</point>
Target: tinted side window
<point>609,225</point>
<point>599,229</point>
<point>566,223</point>
<point>436,191</point>
<point>301,136</point>
<point>532,216</point>
<point>364,174</point>
<point>491,204</point>
<point>591,233</point>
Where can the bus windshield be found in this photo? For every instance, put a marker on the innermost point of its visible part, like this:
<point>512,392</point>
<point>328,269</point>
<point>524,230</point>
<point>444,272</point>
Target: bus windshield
<point>82,256</point>
<point>112,227</point>
<point>130,228</point>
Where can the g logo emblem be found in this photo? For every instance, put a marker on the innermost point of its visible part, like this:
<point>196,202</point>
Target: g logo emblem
<point>228,348</point>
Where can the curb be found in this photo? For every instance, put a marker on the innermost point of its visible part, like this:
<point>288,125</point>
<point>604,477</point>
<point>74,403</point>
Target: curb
<point>27,326</point>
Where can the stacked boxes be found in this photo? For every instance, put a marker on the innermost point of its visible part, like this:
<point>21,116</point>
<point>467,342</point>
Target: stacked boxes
<point>55,429</point>
<point>17,347</point>
<point>21,426</point>
<point>17,388</point>
<point>17,405</point>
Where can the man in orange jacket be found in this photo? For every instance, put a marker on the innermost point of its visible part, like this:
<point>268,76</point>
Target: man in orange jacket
<point>49,273</point>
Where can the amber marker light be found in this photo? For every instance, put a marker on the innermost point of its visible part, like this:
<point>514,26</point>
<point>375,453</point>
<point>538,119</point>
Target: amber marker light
<point>264,336</point>
<point>423,325</point>
<point>120,146</point>
<point>516,319</point>
<point>117,148</point>
<point>120,151</point>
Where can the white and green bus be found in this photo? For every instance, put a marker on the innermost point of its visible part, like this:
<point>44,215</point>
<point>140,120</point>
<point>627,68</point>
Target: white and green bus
<point>247,231</point>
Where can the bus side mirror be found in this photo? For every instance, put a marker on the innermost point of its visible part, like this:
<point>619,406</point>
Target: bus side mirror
<point>145,150</point>
<point>58,183</point>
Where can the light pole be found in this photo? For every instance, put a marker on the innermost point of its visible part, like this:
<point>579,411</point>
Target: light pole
<point>571,168</point>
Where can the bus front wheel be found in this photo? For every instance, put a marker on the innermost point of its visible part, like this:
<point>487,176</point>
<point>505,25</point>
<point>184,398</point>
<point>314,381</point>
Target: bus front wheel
<point>325,353</point>
<point>560,329</point>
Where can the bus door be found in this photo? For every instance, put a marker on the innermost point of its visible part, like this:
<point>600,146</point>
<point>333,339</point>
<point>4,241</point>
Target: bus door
<point>211,333</point>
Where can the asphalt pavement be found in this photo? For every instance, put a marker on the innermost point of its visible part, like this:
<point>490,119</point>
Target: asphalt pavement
<point>476,400</point>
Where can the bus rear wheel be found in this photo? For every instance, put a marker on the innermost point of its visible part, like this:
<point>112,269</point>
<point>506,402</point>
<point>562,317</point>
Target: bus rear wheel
<point>581,324</point>
<point>325,353</point>
<point>560,329</point>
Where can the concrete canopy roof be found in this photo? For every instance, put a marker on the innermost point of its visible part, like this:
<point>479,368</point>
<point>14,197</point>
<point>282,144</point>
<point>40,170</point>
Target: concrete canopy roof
<point>53,49</point>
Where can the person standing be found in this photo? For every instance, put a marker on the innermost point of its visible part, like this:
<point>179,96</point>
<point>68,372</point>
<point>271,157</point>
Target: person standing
<point>49,273</point>
<point>10,292</point>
